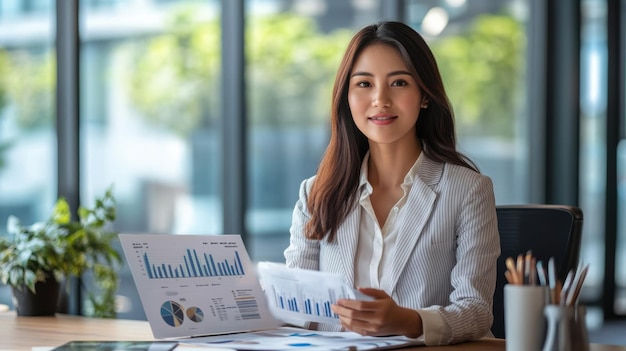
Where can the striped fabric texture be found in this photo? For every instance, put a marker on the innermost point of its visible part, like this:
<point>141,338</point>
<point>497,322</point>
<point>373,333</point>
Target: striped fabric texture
<point>444,265</point>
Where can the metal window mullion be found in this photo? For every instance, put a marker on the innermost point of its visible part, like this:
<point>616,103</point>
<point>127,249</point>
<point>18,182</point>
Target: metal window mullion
<point>233,118</point>
<point>67,116</point>
<point>615,90</point>
<point>563,102</point>
<point>394,10</point>
<point>536,129</point>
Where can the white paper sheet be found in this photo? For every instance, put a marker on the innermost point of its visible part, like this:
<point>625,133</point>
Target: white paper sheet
<point>298,295</point>
<point>196,285</point>
<point>287,339</point>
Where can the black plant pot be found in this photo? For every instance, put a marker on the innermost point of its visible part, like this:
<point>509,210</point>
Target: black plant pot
<point>42,303</point>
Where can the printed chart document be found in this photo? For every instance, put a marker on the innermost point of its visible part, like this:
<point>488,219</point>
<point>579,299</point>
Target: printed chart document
<point>196,285</point>
<point>298,295</point>
<point>289,339</point>
<point>203,290</point>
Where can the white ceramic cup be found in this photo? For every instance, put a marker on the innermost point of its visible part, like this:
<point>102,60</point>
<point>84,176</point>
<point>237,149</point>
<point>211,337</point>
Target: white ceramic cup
<point>524,321</point>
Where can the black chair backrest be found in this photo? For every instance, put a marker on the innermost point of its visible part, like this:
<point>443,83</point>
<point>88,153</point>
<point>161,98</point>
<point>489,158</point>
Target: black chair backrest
<point>546,230</point>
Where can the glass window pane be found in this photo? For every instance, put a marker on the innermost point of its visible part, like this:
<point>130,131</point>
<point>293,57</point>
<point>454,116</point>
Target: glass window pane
<point>28,155</point>
<point>593,143</point>
<point>480,47</point>
<point>293,50</point>
<point>149,109</point>
<point>620,264</point>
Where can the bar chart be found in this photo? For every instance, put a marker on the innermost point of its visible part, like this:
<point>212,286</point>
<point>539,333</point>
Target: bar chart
<point>193,265</point>
<point>301,303</point>
<point>306,306</point>
<point>301,295</point>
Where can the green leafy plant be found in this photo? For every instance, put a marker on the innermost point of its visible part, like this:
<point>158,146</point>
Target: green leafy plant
<point>60,248</point>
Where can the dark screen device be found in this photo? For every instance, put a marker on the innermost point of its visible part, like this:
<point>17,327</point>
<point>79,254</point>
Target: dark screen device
<point>117,346</point>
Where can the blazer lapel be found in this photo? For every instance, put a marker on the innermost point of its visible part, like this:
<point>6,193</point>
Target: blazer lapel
<point>418,208</point>
<point>347,238</point>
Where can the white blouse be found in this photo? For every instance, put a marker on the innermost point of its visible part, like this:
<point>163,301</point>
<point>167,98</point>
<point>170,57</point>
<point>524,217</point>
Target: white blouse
<point>379,244</point>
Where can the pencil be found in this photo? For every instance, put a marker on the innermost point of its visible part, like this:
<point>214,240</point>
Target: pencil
<point>509,277</point>
<point>552,280</point>
<point>533,270</point>
<point>527,262</point>
<point>520,268</point>
<point>510,265</point>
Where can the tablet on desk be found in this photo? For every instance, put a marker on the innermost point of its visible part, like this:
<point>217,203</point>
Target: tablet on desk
<point>117,346</point>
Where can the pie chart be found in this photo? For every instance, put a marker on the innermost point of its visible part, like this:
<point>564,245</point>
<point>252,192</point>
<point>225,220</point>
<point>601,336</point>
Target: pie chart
<point>195,314</point>
<point>172,313</point>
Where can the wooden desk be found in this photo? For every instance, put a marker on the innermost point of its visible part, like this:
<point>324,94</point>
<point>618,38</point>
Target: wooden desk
<point>23,333</point>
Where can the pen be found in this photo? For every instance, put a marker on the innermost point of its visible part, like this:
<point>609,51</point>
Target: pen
<point>566,287</point>
<point>543,280</point>
<point>552,280</point>
<point>577,284</point>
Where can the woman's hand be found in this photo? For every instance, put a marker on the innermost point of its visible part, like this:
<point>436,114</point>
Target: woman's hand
<point>382,316</point>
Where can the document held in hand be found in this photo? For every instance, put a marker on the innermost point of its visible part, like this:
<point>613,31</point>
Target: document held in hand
<point>297,296</point>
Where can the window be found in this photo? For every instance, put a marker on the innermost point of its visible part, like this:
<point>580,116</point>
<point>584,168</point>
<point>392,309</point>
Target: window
<point>593,161</point>
<point>27,118</point>
<point>149,113</point>
<point>480,47</point>
<point>293,50</point>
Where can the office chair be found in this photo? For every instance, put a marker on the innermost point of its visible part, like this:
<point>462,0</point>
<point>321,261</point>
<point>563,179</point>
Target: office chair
<point>547,230</point>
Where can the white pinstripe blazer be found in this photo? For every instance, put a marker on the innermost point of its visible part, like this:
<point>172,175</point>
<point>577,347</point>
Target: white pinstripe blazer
<point>446,261</point>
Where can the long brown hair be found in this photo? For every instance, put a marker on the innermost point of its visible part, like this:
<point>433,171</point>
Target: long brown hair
<point>333,192</point>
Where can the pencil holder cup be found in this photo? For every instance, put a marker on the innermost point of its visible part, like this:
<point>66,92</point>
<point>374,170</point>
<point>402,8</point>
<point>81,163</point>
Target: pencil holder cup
<point>524,322</point>
<point>567,328</point>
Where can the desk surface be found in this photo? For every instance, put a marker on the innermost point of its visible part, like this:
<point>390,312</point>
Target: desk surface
<point>23,333</point>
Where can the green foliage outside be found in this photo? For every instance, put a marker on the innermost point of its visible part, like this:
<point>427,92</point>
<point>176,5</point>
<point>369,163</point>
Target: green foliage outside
<point>483,73</point>
<point>31,83</point>
<point>4,71</point>
<point>291,67</point>
<point>26,80</point>
<point>289,72</point>
<point>174,80</point>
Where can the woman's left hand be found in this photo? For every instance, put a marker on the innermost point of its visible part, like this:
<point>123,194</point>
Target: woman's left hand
<point>382,316</point>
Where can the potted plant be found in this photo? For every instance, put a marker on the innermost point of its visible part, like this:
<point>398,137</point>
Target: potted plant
<point>39,256</point>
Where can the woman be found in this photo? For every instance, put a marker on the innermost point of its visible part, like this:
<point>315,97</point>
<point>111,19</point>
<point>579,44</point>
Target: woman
<point>394,207</point>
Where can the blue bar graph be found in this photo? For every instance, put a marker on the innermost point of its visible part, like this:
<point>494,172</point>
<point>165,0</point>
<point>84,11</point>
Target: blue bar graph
<point>307,306</point>
<point>192,265</point>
